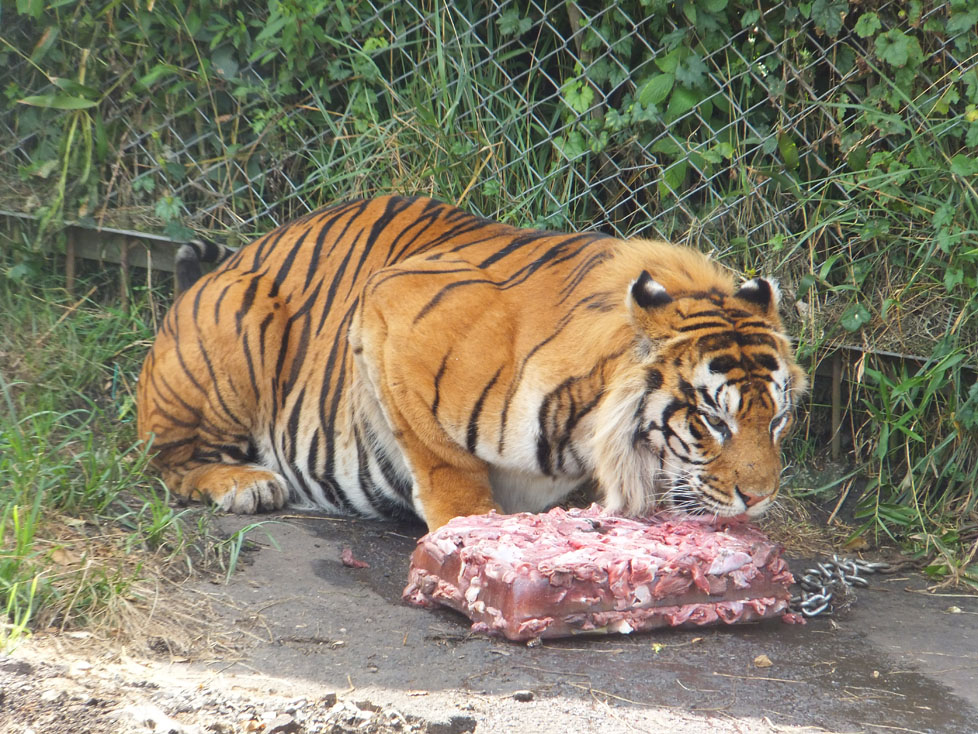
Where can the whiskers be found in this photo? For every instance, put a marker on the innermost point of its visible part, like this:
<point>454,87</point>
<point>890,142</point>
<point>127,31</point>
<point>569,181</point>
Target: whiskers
<point>676,491</point>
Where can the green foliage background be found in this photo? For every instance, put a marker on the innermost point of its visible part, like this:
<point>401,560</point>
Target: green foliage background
<point>831,144</point>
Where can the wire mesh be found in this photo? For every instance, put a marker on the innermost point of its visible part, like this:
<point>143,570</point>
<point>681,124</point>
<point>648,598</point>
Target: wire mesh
<point>526,97</point>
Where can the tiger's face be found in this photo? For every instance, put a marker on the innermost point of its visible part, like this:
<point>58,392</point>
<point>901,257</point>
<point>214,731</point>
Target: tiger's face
<point>721,384</point>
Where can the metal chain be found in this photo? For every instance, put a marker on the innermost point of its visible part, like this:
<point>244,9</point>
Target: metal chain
<point>828,586</point>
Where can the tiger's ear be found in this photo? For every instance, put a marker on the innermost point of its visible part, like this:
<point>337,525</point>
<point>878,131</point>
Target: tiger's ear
<point>647,308</point>
<point>647,293</point>
<point>761,292</point>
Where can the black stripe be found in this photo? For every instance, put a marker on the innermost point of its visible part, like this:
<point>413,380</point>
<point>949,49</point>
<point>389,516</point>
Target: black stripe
<point>247,301</point>
<point>387,276</point>
<point>324,230</point>
<point>251,369</point>
<point>220,398</point>
<point>436,299</point>
<point>704,325</point>
<point>262,330</point>
<point>335,364</point>
<point>525,238</point>
<point>438,376</point>
<point>178,396</point>
<point>582,271</point>
<point>170,445</point>
<point>334,286</point>
<point>287,262</point>
<point>472,436</point>
<point>293,422</point>
<point>301,343</point>
<point>397,483</point>
<point>518,379</point>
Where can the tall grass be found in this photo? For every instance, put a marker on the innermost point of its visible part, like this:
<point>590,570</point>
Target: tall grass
<point>903,287</point>
<point>81,521</point>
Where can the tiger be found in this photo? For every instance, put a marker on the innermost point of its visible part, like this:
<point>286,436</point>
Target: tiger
<point>398,357</point>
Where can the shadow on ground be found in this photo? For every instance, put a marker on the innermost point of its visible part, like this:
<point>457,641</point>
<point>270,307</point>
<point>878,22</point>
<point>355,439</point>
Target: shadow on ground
<point>898,661</point>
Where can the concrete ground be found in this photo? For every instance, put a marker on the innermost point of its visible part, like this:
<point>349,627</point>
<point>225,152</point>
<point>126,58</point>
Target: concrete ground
<point>901,660</point>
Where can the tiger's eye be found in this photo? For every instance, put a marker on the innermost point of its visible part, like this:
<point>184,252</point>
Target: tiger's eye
<point>713,421</point>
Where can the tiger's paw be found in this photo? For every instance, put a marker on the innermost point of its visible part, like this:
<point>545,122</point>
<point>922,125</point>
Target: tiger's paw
<point>235,488</point>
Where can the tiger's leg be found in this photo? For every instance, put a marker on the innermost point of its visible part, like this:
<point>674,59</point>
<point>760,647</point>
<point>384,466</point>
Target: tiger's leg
<point>448,481</point>
<point>199,403</point>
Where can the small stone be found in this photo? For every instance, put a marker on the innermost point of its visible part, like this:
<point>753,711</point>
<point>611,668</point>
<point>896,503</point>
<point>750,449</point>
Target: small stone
<point>150,717</point>
<point>16,666</point>
<point>81,666</point>
<point>328,701</point>
<point>762,661</point>
<point>455,725</point>
<point>50,695</point>
<point>283,724</point>
<point>523,696</point>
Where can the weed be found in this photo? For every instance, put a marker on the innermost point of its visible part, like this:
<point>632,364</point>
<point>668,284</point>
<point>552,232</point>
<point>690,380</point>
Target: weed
<point>81,523</point>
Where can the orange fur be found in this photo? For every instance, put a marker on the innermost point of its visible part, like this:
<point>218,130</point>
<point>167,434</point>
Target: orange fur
<point>399,353</point>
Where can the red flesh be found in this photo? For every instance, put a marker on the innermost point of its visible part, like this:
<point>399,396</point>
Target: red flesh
<point>582,571</point>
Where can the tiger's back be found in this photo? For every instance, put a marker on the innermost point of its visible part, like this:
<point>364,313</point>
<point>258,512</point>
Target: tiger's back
<point>400,355</point>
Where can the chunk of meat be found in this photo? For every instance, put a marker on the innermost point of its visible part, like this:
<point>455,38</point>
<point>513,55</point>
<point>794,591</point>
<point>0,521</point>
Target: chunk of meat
<point>568,572</point>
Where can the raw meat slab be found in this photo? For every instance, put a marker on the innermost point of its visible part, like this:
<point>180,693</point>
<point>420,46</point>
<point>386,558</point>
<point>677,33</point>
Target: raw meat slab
<point>581,571</point>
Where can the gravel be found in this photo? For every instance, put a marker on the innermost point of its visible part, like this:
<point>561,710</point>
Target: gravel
<point>48,698</point>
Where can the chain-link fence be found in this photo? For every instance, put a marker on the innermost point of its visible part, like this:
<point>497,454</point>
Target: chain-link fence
<point>660,119</point>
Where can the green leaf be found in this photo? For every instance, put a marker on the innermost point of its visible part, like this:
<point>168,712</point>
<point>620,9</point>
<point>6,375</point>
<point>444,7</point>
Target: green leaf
<point>789,152</point>
<point>668,146</point>
<point>74,89</point>
<point>672,181</point>
<point>668,62</point>
<point>681,102</point>
<point>854,317</point>
<point>962,165</point>
<point>43,169</point>
<point>511,24</point>
<point>898,49</point>
<point>578,95</point>
<point>867,25</point>
<point>857,158</point>
<point>805,284</point>
<point>33,8</point>
<point>58,102</point>
<point>829,15</point>
<point>168,208</point>
<point>726,150</point>
<point>962,21</point>
<point>224,62</point>
<point>750,18</point>
<point>154,74</point>
<point>21,272</point>
<point>572,146</point>
<point>656,89</point>
<point>692,71</point>
<point>44,44</point>
<point>714,6</point>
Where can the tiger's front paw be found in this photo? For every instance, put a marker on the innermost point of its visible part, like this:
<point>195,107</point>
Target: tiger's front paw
<point>241,489</point>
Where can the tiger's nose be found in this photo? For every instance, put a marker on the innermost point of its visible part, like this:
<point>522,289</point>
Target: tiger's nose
<point>749,499</point>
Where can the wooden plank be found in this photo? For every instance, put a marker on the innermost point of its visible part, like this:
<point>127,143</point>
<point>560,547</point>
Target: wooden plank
<point>107,244</point>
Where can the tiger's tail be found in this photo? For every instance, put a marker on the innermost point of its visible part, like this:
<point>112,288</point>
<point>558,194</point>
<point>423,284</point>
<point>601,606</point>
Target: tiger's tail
<point>190,256</point>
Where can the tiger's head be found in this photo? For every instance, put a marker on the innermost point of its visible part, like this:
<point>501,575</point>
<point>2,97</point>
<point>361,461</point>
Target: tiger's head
<point>703,407</point>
